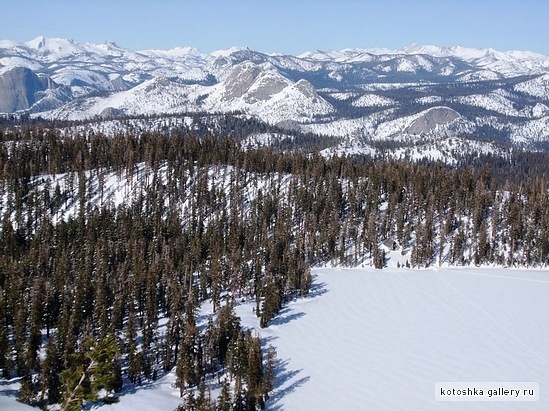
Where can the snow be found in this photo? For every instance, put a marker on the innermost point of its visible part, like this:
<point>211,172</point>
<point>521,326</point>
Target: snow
<point>176,52</point>
<point>297,101</point>
<point>538,87</point>
<point>100,76</point>
<point>68,76</point>
<point>531,131</point>
<point>393,127</point>
<point>342,128</point>
<point>429,100</point>
<point>9,390</point>
<point>495,101</point>
<point>9,62</point>
<point>373,100</point>
<point>509,62</point>
<point>228,52</point>
<point>259,140</point>
<point>382,339</point>
<point>376,339</point>
<point>159,395</point>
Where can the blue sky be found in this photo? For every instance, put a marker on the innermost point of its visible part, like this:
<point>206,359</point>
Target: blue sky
<point>283,25</point>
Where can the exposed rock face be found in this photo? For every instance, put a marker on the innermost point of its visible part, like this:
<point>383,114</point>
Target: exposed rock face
<point>307,89</point>
<point>18,88</point>
<point>429,120</point>
<point>253,83</point>
<point>266,85</point>
<point>240,80</point>
<point>109,112</point>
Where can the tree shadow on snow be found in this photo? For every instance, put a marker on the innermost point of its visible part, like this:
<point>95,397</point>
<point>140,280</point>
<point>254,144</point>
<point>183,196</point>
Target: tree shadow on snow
<point>265,341</point>
<point>317,289</point>
<point>285,316</point>
<point>287,381</point>
<point>7,389</point>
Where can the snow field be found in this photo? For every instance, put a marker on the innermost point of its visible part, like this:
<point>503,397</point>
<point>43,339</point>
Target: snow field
<point>381,340</point>
<point>9,390</point>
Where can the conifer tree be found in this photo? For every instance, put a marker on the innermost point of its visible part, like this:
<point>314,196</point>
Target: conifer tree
<point>51,370</point>
<point>5,354</point>
<point>106,372</point>
<point>270,372</point>
<point>187,361</point>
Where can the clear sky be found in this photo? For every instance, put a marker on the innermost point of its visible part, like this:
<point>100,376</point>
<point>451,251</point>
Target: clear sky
<point>285,26</point>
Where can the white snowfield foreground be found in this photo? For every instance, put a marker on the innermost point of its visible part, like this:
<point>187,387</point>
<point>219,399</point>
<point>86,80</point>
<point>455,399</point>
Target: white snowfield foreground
<point>381,339</point>
<point>370,339</point>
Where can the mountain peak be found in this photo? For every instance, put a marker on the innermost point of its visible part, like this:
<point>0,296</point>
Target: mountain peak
<point>42,42</point>
<point>376,93</point>
<point>230,51</point>
<point>53,47</point>
<point>37,43</point>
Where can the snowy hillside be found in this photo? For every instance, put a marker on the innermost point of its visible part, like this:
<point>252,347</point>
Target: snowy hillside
<point>183,228</point>
<point>130,253</point>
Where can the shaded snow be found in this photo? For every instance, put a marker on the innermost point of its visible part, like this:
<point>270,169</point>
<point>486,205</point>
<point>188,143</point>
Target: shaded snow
<point>373,100</point>
<point>9,390</point>
<point>159,395</point>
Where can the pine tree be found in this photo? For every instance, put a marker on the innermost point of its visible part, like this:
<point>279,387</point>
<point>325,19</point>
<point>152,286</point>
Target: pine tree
<point>254,366</point>
<point>135,361</point>
<point>190,402</point>
<point>106,372</point>
<point>76,387</point>
<point>5,349</point>
<point>27,392</point>
<point>187,361</point>
<point>239,399</point>
<point>51,369</point>
<point>270,372</point>
<point>272,302</point>
<point>225,399</point>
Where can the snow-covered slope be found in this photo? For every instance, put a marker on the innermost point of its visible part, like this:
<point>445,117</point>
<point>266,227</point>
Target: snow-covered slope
<point>9,390</point>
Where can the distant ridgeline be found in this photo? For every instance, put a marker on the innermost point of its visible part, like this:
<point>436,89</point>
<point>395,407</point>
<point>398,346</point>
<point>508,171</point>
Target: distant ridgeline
<point>419,96</point>
<point>103,239</point>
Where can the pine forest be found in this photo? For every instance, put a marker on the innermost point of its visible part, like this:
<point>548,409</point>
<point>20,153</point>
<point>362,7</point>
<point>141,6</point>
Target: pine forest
<point>111,245</point>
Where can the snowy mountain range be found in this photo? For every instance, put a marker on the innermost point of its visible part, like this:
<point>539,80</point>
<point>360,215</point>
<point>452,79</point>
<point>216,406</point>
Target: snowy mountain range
<point>364,96</point>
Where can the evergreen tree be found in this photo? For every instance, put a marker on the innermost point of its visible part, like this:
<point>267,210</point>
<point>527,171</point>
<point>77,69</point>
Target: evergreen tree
<point>224,401</point>
<point>51,370</point>
<point>106,371</point>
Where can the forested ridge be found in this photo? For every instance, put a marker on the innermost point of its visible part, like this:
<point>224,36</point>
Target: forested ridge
<point>101,288</point>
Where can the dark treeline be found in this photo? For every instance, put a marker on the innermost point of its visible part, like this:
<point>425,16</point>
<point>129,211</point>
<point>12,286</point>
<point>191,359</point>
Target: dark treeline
<point>95,295</point>
<point>234,125</point>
